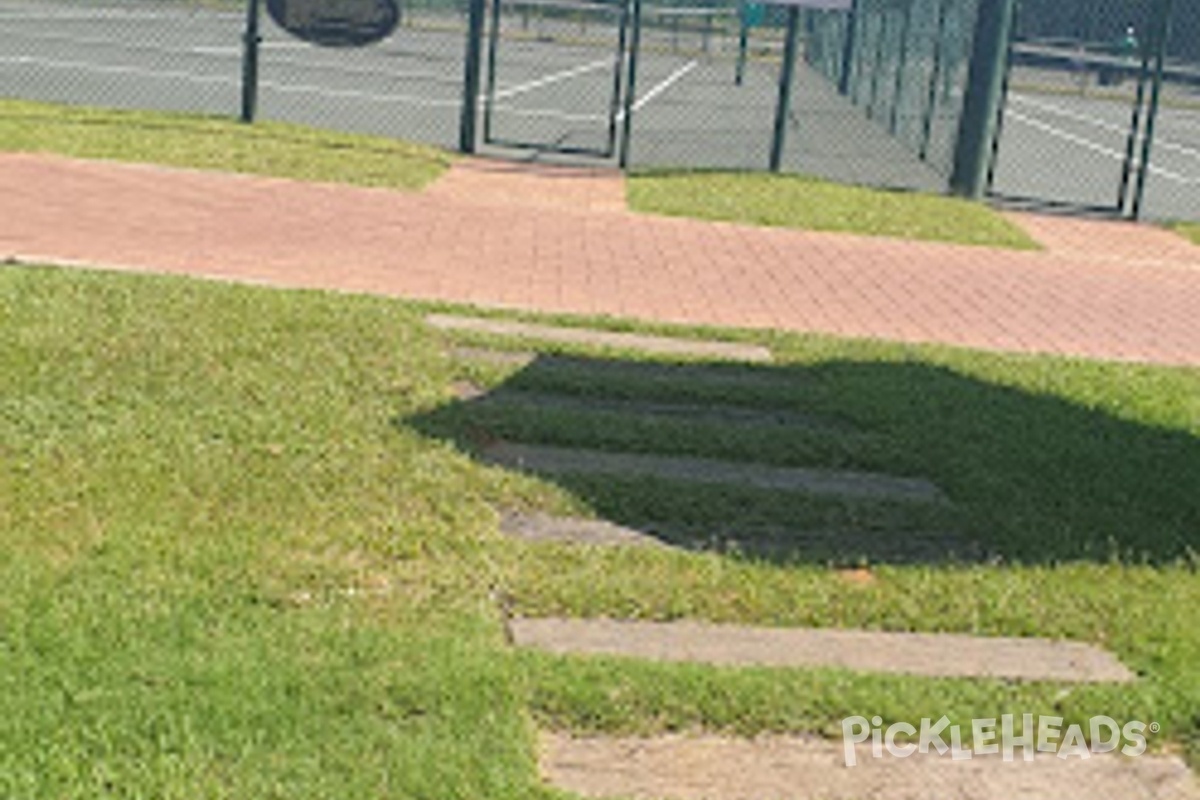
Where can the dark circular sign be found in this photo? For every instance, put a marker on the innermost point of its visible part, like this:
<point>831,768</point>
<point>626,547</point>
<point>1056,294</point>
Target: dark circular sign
<point>336,23</point>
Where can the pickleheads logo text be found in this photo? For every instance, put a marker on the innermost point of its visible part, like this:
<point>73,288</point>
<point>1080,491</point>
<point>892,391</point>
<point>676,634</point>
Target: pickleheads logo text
<point>988,737</point>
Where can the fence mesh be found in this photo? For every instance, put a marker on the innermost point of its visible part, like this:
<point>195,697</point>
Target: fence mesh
<point>1080,106</point>
<point>877,95</point>
<point>152,54</point>
<point>904,66</point>
<point>1173,181</point>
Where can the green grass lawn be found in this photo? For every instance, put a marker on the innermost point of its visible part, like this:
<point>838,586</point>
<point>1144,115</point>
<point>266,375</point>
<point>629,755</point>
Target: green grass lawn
<point>1190,229</point>
<point>799,202</point>
<point>182,140</point>
<point>246,549</point>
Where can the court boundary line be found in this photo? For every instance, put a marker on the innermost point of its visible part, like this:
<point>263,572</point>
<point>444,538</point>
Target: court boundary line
<point>284,88</point>
<point>554,77</point>
<point>1096,148</point>
<point>1159,141</point>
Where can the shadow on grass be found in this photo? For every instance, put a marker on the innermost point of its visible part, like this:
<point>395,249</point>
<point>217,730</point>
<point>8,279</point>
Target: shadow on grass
<point>1030,478</point>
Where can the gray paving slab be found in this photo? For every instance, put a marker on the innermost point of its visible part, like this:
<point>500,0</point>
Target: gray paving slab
<point>695,412</point>
<point>810,768</point>
<point>544,528</point>
<point>660,345</point>
<point>727,378</point>
<point>928,654</point>
<point>515,358</point>
<point>832,546</point>
<point>558,460</point>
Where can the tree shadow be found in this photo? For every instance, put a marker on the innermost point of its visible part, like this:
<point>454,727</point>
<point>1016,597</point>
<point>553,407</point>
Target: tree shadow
<point>1027,477</point>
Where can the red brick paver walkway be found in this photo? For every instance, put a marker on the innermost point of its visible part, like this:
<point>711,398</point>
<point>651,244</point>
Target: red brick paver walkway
<point>502,236</point>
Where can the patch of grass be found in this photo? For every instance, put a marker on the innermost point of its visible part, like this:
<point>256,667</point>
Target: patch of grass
<point>200,142</point>
<point>1190,229</point>
<point>246,550</point>
<point>800,202</point>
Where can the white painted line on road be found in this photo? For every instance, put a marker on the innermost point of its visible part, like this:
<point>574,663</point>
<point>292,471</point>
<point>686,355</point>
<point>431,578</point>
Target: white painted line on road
<point>555,77</point>
<point>1094,147</point>
<point>1159,141</point>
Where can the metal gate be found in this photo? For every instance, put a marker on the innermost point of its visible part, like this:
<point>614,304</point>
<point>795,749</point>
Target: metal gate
<point>554,75</point>
<point>1083,93</point>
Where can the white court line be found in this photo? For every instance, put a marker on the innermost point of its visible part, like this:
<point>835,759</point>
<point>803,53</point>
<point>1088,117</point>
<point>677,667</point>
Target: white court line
<point>555,77</point>
<point>1096,148</point>
<point>105,16</point>
<point>1159,141</point>
<point>659,88</point>
<point>231,81</point>
<point>285,88</point>
<point>237,51</point>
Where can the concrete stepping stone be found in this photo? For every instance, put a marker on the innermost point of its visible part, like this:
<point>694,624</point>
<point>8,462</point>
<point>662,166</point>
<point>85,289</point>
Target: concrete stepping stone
<point>516,358</point>
<point>726,377</point>
<point>844,547</point>
<point>557,460</point>
<point>544,528</point>
<point>810,768</point>
<point>696,412</point>
<point>662,345</point>
<point>927,654</point>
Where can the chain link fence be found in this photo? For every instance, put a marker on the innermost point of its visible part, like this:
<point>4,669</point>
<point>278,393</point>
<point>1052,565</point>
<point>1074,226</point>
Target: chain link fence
<point>1096,90</point>
<point>874,93</point>
<point>151,54</point>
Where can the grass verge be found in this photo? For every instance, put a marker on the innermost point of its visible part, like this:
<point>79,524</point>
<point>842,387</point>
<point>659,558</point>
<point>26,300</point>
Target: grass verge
<point>800,202</point>
<point>1190,229</point>
<point>246,550</point>
<point>183,140</point>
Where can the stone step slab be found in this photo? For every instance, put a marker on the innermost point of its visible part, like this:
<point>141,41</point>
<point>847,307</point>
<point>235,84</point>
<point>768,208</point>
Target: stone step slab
<point>659,345</point>
<point>942,655</point>
<point>903,547</point>
<point>716,413</point>
<point>725,378</point>
<point>705,767</point>
<point>865,485</point>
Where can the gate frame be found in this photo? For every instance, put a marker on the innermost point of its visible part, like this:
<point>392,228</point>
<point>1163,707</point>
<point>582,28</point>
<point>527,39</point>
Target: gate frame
<point>625,11</point>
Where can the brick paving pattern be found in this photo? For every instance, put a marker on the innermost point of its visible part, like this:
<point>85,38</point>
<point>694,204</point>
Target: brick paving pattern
<point>1102,290</point>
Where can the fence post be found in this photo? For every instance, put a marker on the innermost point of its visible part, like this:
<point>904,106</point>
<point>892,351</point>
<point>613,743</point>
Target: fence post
<point>635,46</point>
<point>472,62</point>
<point>739,71</point>
<point>1167,10</point>
<point>251,39</point>
<point>985,87</point>
<point>848,48</point>
<point>786,76</point>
